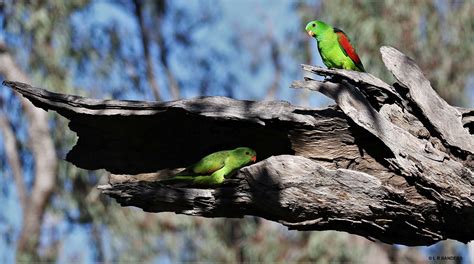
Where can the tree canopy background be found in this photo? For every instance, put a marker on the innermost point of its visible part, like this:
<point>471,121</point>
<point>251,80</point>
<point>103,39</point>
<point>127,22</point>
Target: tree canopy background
<point>167,50</point>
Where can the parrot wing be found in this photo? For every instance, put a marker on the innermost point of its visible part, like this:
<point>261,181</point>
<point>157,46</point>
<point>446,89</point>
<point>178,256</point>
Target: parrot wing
<point>207,165</point>
<point>347,48</point>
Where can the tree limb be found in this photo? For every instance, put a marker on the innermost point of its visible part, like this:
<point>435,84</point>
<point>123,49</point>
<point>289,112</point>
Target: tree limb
<point>298,193</point>
<point>44,153</point>
<point>13,157</point>
<point>160,9</point>
<point>372,166</point>
<point>272,89</point>
<point>149,69</point>
<point>445,119</point>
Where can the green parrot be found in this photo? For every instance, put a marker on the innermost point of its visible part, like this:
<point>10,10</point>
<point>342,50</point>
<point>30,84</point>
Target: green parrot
<point>334,47</point>
<point>215,167</point>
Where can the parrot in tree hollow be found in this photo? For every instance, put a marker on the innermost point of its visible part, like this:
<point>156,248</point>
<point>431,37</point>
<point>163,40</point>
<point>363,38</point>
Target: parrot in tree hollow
<point>215,167</point>
<point>334,47</point>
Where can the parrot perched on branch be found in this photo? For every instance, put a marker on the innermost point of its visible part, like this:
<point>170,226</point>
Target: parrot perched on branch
<point>334,47</point>
<point>215,167</point>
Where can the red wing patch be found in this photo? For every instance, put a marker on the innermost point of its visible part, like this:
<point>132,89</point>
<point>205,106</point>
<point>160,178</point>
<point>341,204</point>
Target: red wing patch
<point>347,47</point>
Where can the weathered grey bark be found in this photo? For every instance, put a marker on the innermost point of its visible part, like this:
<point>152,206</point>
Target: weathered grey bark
<point>376,165</point>
<point>44,153</point>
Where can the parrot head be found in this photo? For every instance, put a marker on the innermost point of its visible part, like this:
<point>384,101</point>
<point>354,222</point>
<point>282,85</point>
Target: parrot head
<point>245,155</point>
<point>316,27</point>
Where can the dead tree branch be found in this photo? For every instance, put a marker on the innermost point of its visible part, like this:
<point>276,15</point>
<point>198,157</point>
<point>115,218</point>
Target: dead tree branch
<point>379,164</point>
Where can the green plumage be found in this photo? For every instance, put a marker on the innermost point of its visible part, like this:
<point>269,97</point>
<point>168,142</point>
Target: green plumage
<point>334,46</point>
<point>215,167</point>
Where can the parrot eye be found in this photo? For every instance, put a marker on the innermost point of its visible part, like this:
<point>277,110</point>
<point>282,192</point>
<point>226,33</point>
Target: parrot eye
<point>247,153</point>
<point>314,24</point>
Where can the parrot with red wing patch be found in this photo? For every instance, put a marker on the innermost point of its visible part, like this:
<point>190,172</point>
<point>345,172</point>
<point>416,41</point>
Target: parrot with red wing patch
<point>334,47</point>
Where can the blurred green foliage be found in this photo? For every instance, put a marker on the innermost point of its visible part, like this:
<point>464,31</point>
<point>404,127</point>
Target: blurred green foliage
<point>438,35</point>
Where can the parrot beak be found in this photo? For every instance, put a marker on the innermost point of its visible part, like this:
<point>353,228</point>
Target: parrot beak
<point>310,33</point>
<point>254,158</point>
